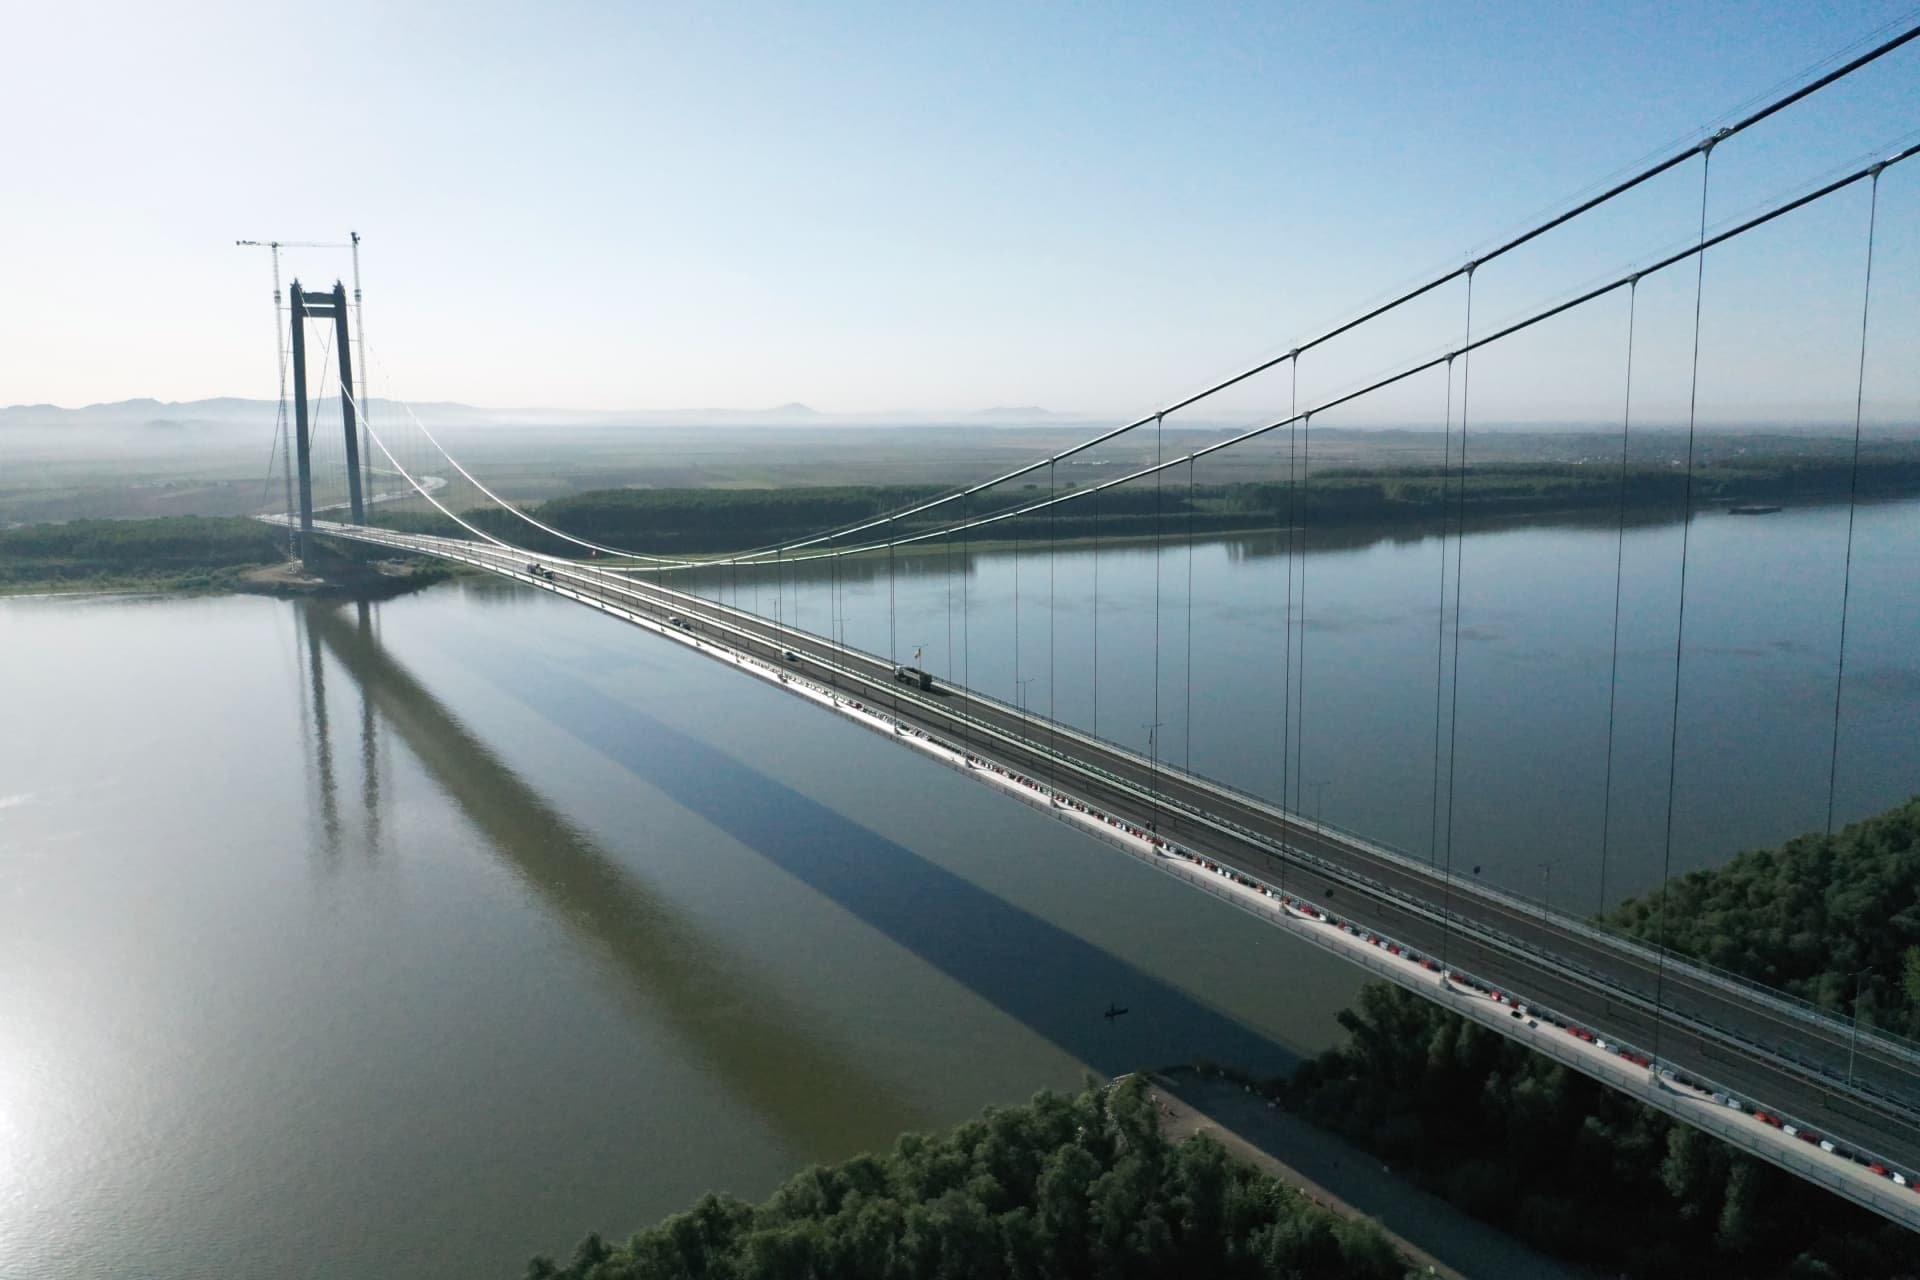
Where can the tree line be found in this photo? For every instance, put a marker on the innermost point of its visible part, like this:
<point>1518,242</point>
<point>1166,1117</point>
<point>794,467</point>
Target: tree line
<point>1586,1173</point>
<point>688,521</point>
<point>181,551</point>
<point>1832,919</point>
<point>1573,1168</point>
<point>1067,1186</point>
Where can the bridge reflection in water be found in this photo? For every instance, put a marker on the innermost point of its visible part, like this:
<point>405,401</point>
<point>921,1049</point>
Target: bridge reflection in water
<point>758,1047</point>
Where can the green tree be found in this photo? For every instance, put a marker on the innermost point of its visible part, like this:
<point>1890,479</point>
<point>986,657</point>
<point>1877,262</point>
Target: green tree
<point>1064,1188</point>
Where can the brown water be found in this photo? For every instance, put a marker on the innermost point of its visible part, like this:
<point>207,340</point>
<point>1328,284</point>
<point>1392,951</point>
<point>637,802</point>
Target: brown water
<point>421,942</point>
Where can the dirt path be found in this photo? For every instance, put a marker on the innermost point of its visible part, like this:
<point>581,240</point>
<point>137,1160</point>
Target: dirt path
<point>1441,1239</point>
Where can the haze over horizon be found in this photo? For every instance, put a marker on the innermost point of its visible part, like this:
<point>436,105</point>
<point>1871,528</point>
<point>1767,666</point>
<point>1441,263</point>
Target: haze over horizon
<point>1092,212</point>
<point>243,412</point>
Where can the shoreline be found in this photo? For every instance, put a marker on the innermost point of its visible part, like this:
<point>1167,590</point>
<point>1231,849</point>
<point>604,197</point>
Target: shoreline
<point>1332,534</point>
<point>1441,1239</point>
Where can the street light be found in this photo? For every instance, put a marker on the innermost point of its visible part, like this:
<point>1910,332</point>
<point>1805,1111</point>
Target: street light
<point>1319,797</point>
<point>1546,891</point>
<point>1853,1040</point>
<point>1153,773</point>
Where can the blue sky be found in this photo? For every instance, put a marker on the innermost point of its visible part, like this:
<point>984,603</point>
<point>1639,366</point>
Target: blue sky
<point>863,207</point>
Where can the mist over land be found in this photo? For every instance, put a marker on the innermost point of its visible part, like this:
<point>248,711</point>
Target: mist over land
<point>217,457</point>
<point>240,413</point>
<point>234,411</point>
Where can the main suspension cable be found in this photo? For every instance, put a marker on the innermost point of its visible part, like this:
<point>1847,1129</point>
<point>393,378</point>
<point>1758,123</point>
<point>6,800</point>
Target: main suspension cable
<point>1293,419</point>
<point>1413,370</point>
<point>1610,193</point>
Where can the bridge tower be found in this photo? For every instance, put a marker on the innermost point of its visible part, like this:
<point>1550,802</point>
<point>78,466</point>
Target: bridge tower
<point>322,306</point>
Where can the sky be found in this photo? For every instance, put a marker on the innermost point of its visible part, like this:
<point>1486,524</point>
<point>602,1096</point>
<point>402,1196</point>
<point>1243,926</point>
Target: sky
<point>870,207</point>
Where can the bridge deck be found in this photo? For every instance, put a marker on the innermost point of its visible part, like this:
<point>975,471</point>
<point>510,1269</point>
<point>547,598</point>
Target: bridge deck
<point>1762,1047</point>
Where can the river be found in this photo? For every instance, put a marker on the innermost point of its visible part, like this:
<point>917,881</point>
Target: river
<point>423,937</point>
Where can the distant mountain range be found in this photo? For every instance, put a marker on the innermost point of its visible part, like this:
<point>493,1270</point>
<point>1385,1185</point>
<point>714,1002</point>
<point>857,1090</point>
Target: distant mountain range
<point>228,412</point>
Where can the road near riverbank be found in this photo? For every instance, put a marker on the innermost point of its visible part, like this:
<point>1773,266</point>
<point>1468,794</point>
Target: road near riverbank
<point>1437,1236</point>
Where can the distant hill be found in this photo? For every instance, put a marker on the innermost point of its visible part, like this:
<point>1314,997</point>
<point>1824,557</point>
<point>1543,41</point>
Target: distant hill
<point>1022,413</point>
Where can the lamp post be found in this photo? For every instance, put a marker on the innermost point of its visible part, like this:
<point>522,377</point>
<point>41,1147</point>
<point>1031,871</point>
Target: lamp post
<point>1319,797</point>
<point>1153,773</point>
<point>1853,1040</point>
<point>1546,890</point>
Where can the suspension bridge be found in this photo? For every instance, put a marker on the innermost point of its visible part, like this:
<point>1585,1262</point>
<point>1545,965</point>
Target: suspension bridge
<point>1822,1096</point>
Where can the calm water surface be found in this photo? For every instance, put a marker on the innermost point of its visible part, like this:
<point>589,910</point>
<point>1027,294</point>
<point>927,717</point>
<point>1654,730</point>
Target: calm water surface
<point>423,938</point>
<point>420,942</point>
<point>1525,761</point>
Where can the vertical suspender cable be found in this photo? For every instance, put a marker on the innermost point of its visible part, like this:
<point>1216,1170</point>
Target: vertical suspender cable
<point>1853,494</point>
<point>1286,672</point>
<point>282,430</point>
<point>949,606</point>
<point>365,399</point>
<point>1300,667</point>
<point>1019,696</point>
<point>893,631</point>
<point>1680,620</point>
<point>1096,612</point>
<point>1154,724</point>
<point>1191,465</point>
<point>966,637</point>
<point>1440,622</point>
<point>1459,563</point>
<point>1053,720</point>
<point>1619,576</point>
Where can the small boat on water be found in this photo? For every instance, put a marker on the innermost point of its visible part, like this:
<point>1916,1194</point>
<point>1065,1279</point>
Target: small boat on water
<point>1752,509</point>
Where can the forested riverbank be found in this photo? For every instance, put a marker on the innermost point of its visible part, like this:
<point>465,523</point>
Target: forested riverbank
<point>208,553</point>
<point>1064,1186</point>
<point>1583,1172</point>
<point>1832,919</point>
<point>194,553</point>
<point>1579,1171</point>
<point>174,553</point>
<point>696,521</point>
